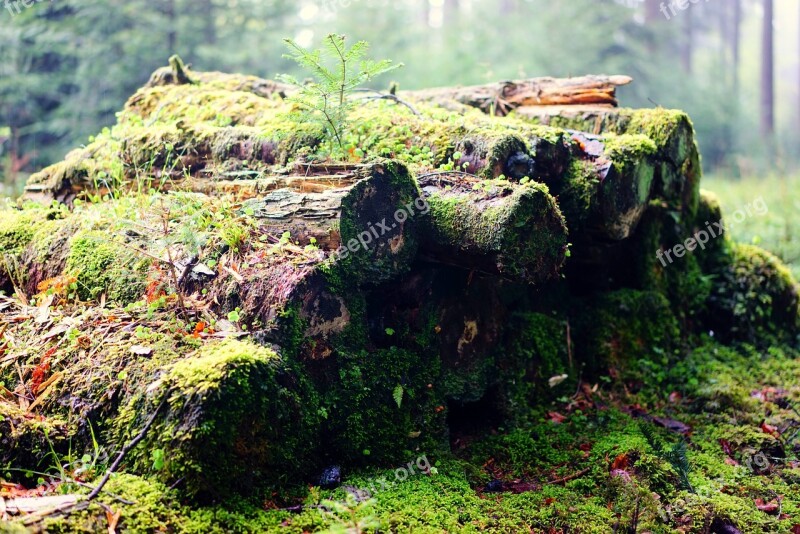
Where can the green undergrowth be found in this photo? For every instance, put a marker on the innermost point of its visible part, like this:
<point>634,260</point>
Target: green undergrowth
<point>706,440</point>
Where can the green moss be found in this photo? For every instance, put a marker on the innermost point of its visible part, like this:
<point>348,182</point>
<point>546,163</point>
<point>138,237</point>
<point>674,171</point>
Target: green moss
<point>26,441</point>
<point>16,230</point>
<point>709,212</point>
<point>516,230</point>
<point>359,399</point>
<point>622,327</point>
<point>105,266</point>
<point>392,253</point>
<point>535,351</point>
<point>237,418</point>
<point>576,193</point>
<point>754,296</point>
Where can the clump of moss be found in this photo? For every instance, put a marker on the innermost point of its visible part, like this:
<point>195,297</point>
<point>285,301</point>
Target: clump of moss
<point>754,298</point>
<point>619,328</point>
<point>576,193</point>
<point>27,440</point>
<point>237,418</point>
<point>536,350</point>
<point>517,230</point>
<point>16,231</point>
<point>102,265</point>
<point>378,405</point>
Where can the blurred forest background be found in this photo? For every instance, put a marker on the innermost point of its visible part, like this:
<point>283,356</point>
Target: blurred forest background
<point>67,66</point>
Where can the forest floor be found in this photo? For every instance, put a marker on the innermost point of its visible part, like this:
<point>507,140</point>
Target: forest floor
<point>715,435</point>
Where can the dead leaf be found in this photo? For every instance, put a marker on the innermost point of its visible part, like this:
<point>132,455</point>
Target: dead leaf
<point>770,507</point>
<point>556,417</point>
<point>769,429</point>
<point>113,520</point>
<point>673,425</point>
<point>620,462</point>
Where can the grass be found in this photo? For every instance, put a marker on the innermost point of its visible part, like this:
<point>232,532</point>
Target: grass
<point>779,229</point>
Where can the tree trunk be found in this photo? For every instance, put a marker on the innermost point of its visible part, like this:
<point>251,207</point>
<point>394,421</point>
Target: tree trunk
<point>768,71</point>
<point>736,37</point>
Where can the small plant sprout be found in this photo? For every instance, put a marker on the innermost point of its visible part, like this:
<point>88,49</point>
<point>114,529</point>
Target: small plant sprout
<point>337,72</point>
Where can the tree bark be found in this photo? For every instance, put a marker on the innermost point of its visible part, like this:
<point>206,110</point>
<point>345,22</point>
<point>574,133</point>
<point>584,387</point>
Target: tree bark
<point>768,71</point>
<point>501,98</point>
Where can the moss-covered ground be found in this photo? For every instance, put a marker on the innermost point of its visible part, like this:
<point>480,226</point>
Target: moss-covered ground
<point>672,446</point>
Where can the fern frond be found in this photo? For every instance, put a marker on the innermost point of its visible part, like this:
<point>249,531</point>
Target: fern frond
<point>357,51</point>
<point>310,60</point>
<point>337,71</point>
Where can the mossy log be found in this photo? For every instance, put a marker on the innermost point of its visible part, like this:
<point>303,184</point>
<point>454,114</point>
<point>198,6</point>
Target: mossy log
<point>367,307</point>
<point>494,227</point>
<point>316,236</point>
<point>501,98</point>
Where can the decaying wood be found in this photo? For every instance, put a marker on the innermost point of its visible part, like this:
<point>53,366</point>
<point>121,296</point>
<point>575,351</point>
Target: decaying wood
<point>506,229</point>
<point>498,97</point>
<point>501,98</point>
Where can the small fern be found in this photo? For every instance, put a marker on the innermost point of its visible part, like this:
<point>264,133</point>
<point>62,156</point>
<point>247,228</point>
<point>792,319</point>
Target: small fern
<point>676,456</point>
<point>397,394</point>
<point>337,72</point>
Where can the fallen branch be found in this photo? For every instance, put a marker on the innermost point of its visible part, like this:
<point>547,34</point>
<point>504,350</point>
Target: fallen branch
<point>126,449</point>
<point>566,479</point>
<point>389,96</point>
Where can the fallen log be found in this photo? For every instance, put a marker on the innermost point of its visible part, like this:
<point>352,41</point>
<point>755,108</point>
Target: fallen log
<point>498,227</point>
<point>358,228</point>
<point>153,142</point>
<point>502,98</point>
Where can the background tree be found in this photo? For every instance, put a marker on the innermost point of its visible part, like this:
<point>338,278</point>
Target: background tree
<point>768,71</point>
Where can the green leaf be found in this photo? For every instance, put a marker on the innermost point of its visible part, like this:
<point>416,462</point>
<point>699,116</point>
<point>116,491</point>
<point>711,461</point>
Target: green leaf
<point>397,394</point>
<point>158,459</point>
